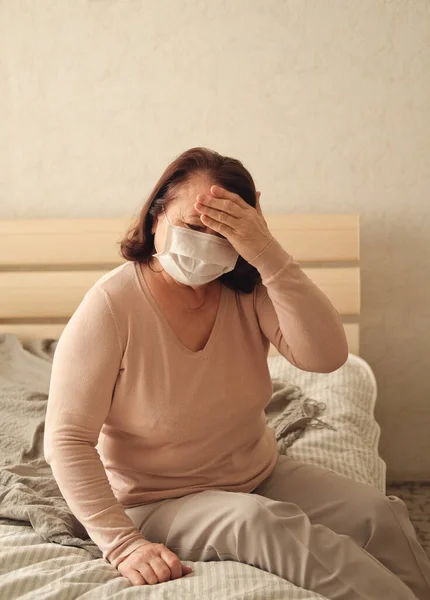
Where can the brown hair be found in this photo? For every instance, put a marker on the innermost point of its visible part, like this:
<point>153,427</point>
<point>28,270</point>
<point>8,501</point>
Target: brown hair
<point>138,242</point>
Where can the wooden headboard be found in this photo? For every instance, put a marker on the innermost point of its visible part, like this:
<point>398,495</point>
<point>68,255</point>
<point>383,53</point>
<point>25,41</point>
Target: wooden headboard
<point>47,265</point>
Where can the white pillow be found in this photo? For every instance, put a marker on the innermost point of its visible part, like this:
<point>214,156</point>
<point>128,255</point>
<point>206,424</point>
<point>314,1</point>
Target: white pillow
<point>349,393</point>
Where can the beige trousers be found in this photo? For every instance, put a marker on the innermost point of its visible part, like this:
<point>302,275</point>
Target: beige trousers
<point>319,530</point>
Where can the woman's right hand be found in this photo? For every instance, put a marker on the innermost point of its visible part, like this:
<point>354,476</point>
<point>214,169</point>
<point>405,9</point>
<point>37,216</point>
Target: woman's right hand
<point>152,563</point>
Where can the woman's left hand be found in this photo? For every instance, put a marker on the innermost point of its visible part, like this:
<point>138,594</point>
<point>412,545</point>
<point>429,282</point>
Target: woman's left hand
<point>228,214</point>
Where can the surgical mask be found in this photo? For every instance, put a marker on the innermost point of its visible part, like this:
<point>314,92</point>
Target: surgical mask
<point>193,257</point>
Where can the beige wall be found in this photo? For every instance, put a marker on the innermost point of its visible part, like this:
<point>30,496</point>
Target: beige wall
<point>326,102</point>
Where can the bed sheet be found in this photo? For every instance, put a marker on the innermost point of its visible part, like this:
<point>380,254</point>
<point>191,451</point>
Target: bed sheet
<point>32,568</point>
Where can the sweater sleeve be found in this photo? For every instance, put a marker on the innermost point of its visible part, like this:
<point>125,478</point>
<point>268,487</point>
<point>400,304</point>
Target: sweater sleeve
<point>295,315</point>
<point>85,366</point>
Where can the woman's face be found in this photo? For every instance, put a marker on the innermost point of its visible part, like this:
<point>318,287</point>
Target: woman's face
<point>182,212</point>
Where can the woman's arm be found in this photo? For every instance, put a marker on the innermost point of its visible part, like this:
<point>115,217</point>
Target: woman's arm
<point>295,315</point>
<point>85,367</point>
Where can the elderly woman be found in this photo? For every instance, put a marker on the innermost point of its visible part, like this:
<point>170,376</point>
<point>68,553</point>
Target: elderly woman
<point>155,426</point>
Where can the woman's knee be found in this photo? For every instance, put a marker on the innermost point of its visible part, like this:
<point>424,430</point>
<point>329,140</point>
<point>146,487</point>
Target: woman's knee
<point>372,516</point>
<point>236,520</point>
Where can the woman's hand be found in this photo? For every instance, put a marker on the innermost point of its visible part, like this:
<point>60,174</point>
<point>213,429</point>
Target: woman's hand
<point>243,225</point>
<point>152,563</point>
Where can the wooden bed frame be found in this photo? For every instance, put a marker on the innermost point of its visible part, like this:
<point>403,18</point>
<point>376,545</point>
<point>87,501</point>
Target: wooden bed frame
<point>47,265</point>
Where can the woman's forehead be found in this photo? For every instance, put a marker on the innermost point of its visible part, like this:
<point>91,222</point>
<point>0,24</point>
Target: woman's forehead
<point>197,185</point>
<point>186,196</point>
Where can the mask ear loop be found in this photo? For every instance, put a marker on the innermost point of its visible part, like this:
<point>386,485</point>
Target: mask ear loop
<point>165,214</point>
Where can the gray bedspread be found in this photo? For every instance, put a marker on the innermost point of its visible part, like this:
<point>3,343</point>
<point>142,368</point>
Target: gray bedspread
<point>28,490</point>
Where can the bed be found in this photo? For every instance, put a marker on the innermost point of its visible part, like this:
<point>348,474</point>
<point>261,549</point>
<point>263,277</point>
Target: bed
<point>46,266</point>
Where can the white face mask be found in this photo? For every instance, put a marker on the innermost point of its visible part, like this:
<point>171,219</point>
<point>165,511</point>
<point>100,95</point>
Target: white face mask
<point>194,257</point>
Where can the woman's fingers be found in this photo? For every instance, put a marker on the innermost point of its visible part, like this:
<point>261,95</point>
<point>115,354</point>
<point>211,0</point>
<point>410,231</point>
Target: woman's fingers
<point>148,574</point>
<point>225,205</point>
<point>152,563</point>
<point>173,562</point>
<point>221,228</point>
<point>160,568</point>
<point>220,192</point>
<point>216,215</point>
<point>134,577</point>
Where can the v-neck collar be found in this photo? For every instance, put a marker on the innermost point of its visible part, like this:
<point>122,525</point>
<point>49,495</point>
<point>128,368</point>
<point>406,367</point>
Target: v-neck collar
<point>204,352</point>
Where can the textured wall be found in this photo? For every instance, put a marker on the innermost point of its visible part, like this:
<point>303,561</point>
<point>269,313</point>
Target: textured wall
<point>327,103</point>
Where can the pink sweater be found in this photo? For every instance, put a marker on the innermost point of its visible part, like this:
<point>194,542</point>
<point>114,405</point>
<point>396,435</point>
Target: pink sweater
<point>134,416</point>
